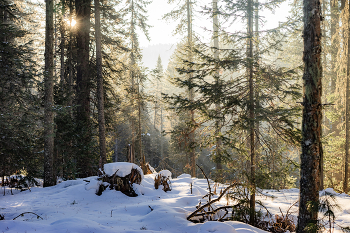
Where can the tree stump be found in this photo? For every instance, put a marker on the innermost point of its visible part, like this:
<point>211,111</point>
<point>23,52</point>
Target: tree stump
<point>163,178</point>
<point>121,182</point>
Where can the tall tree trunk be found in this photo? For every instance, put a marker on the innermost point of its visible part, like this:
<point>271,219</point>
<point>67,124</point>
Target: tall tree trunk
<point>49,176</point>
<point>334,41</point>
<point>161,137</point>
<point>84,160</point>
<point>70,58</point>
<point>251,110</point>
<point>142,156</point>
<point>132,64</point>
<point>192,152</point>
<point>347,105</point>
<point>155,112</point>
<point>347,133</point>
<point>334,7</point>
<point>62,45</point>
<point>218,93</point>
<point>312,117</point>
<point>101,115</point>
<point>257,101</point>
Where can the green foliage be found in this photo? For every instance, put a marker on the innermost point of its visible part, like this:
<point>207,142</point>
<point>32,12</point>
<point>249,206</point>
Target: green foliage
<point>276,109</point>
<point>20,131</point>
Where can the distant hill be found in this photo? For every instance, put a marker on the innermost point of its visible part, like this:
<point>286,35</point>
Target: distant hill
<point>150,54</point>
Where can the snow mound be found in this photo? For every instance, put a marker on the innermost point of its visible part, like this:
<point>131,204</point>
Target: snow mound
<point>165,173</point>
<point>122,168</point>
<point>216,227</point>
<point>93,184</point>
<point>184,176</point>
<point>329,191</point>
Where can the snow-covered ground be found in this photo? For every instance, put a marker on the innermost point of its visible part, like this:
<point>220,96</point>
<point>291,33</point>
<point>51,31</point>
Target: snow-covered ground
<point>72,206</point>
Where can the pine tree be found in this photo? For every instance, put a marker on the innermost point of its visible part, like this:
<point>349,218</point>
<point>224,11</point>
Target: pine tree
<point>100,94</point>
<point>85,160</point>
<point>312,118</point>
<point>259,96</point>
<point>158,75</point>
<point>49,176</point>
<point>184,12</point>
<point>136,12</point>
<point>347,106</point>
<point>218,126</point>
<point>19,104</point>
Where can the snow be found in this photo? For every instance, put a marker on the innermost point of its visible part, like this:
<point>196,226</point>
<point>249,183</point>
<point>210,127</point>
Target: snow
<point>218,227</point>
<point>165,173</point>
<point>122,168</point>
<point>72,206</point>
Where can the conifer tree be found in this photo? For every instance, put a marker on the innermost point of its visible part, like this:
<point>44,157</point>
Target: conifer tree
<point>101,115</point>
<point>20,132</point>
<point>312,119</point>
<point>347,106</point>
<point>240,106</point>
<point>218,145</point>
<point>158,75</point>
<point>85,160</point>
<point>136,11</point>
<point>49,176</point>
<point>184,13</point>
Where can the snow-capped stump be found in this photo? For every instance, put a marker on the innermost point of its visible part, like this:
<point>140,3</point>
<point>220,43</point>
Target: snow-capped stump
<point>121,176</point>
<point>163,179</point>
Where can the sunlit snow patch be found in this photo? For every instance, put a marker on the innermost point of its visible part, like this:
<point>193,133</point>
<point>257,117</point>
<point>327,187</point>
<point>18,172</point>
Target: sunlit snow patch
<point>216,227</point>
<point>93,184</point>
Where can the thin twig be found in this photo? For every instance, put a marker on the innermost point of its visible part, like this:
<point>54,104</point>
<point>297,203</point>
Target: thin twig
<point>28,213</point>
<point>212,201</point>
<point>207,181</point>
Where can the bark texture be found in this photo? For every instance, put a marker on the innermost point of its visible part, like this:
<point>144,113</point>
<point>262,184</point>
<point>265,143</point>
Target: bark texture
<point>347,105</point>
<point>49,177</point>
<point>251,110</point>
<point>312,117</point>
<point>101,115</point>
<point>84,160</point>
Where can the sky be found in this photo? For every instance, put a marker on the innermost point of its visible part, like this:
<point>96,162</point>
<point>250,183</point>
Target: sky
<point>162,31</point>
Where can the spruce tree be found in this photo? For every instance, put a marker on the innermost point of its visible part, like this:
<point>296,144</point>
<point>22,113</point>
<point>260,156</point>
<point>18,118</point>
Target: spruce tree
<point>85,159</point>
<point>49,176</point>
<point>20,130</point>
<point>136,12</point>
<point>184,13</point>
<point>312,119</point>
<point>100,94</point>
<point>265,94</point>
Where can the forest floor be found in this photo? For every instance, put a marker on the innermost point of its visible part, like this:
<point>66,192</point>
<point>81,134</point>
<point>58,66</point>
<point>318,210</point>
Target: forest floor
<point>72,206</point>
